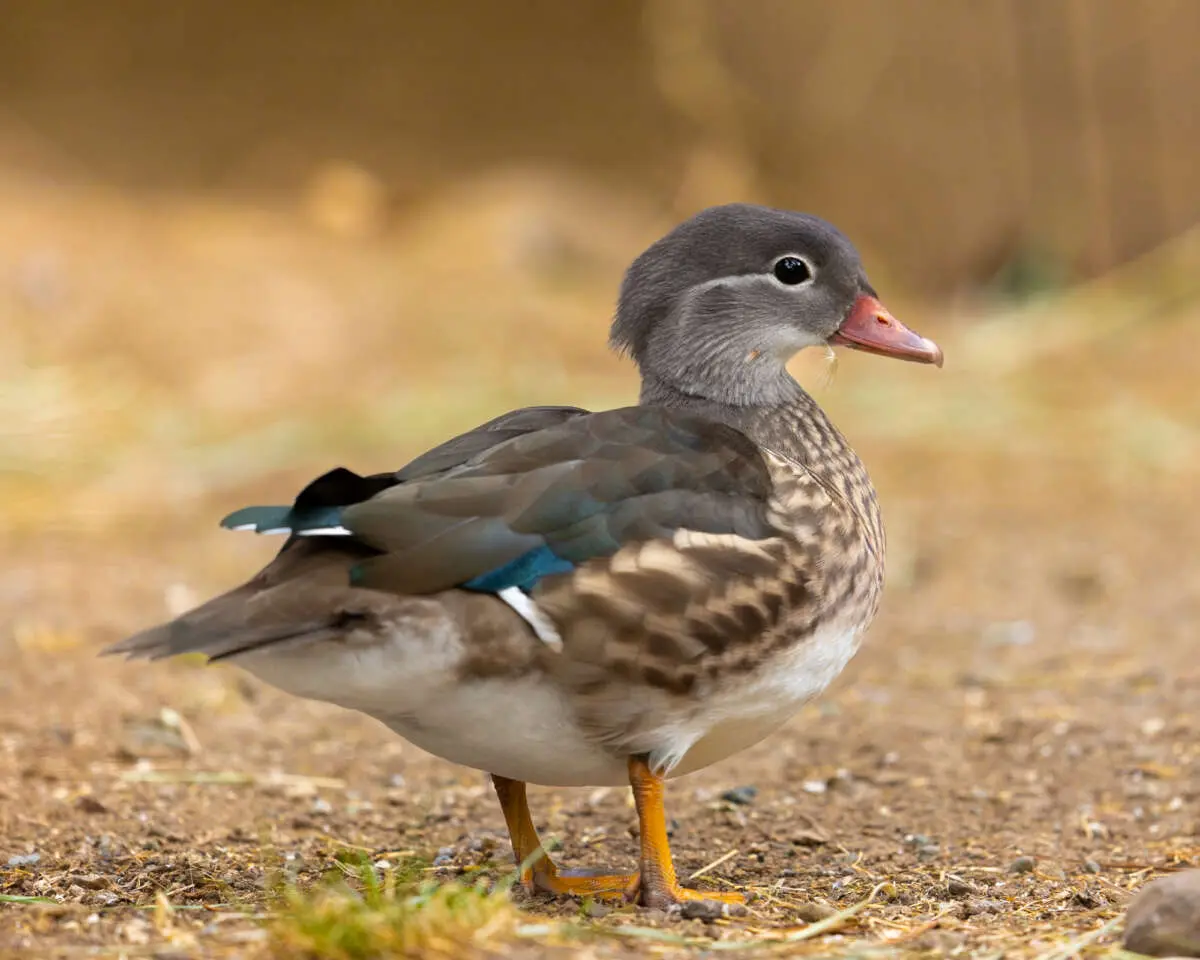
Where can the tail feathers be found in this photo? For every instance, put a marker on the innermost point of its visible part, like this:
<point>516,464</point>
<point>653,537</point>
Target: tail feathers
<point>317,510</point>
<point>216,641</point>
<point>323,521</point>
<point>259,519</point>
<point>250,617</point>
<point>300,597</point>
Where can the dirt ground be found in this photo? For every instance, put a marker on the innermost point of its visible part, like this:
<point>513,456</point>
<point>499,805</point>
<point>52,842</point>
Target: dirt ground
<point>1015,750</point>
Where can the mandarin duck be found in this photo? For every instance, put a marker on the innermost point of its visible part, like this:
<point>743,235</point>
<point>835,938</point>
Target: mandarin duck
<point>577,598</point>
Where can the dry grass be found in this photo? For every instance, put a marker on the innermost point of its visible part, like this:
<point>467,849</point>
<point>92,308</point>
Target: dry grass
<point>1033,687</point>
<point>400,913</point>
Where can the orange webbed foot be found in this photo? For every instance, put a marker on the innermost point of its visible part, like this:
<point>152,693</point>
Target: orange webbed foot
<point>664,895</point>
<point>583,883</point>
<point>654,885</point>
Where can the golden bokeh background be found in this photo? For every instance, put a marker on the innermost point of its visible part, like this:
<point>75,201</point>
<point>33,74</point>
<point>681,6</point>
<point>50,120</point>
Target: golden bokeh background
<point>233,235</point>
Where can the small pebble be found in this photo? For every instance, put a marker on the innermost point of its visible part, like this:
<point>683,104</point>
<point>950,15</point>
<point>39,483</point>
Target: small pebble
<point>481,844</point>
<point>321,805</point>
<point>710,910</point>
<point>1091,866</point>
<point>1022,865</point>
<point>928,851</point>
<point>742,796</point>
<point>814,912</point>
<point>24,860</point>
<point>809,838</point>
<point>1164,918</point>
<point>972,908</point>
<point>445,857</point>
<point>957,887</point>
<point>595,909</point>
<point>940,943</point>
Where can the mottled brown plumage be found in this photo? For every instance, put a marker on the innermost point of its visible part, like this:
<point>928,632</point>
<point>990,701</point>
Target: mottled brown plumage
<point>573,598</point>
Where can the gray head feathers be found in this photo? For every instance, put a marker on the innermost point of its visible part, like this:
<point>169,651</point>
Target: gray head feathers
<point>705,309</point>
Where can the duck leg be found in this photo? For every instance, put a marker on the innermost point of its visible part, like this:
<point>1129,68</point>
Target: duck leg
<point>656,884</point>
<point>538,871</point>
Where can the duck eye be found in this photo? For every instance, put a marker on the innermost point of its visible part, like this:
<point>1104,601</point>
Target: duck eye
<point>792,270</point>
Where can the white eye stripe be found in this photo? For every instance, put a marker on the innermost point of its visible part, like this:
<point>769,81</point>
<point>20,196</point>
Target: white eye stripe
<point>752,279</point>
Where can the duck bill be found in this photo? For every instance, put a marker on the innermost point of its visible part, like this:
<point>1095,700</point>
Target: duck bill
<point>870,328</point>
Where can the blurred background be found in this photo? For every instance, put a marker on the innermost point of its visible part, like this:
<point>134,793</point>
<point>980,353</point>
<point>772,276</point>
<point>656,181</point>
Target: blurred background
<point>242,243</point>
<point>220,224</point>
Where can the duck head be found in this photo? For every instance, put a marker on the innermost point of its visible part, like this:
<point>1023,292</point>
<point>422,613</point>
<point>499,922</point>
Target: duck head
<point>718,306</point>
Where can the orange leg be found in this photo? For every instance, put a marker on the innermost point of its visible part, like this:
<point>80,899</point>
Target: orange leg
<point>656,884</point>
<point>538,871</point>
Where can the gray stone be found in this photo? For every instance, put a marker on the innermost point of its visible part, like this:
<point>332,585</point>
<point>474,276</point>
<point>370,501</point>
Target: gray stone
<point>982,905</point>
<point>813,912</point>
<point>1164,919</point>
<point>710,910</point>
<point>742,796</point>
<point>957,887</point>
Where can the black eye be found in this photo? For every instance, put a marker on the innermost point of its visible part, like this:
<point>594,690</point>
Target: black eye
<point>792,270</point>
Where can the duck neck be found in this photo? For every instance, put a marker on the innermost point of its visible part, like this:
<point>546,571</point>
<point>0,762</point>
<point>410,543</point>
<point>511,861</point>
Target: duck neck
<point>792,424</point>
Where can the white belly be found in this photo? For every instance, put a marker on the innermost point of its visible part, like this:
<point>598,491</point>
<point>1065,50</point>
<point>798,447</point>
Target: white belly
<point>525,728</point>
<point>538,741</point>
<point>520,729</point>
